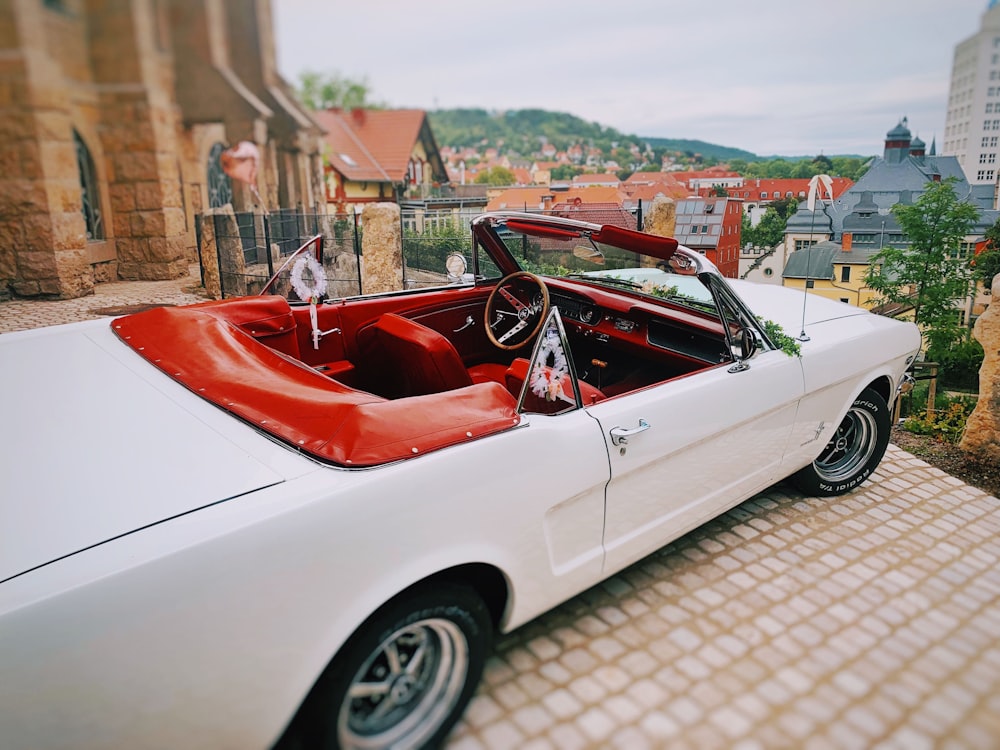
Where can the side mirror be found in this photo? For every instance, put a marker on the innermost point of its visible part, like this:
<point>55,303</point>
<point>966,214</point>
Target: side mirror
<point>743,348</point>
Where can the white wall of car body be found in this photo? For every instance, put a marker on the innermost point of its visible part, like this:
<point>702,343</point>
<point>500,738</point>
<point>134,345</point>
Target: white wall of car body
<point>694,460</point>
<point>833,381</point>
<point>211,588</point>
<point>119,433</point>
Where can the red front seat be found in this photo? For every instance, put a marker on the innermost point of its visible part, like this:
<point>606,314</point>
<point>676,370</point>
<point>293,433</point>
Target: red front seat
<point>427,361</point>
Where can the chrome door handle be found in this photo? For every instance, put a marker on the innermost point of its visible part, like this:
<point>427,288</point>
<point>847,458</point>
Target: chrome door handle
<point>468,322</point>
<point>620,436</point>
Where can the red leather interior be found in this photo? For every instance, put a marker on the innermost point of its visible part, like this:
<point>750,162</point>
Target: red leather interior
<point>428,362</point>
<point>517,373</point>
<point>219,361</point>
<point>268,319</point>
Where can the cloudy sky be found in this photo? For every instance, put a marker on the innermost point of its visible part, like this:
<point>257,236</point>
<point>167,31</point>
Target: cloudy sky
<point>786,77</point>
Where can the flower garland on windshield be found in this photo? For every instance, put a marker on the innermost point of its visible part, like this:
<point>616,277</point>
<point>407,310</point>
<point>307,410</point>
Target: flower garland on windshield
<point>547,381</point>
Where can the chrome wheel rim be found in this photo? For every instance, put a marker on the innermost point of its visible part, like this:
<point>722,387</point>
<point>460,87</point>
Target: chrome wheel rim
<point>850,448</point>
<point>405,688</point>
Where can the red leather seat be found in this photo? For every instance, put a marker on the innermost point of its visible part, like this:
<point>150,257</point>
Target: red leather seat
<point>517,373</point>
<point>427,361</point>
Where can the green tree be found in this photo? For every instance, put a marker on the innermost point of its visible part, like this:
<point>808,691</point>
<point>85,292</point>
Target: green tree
<point>770,231</point>
<point>495,176</point>
<point>719,191</point>
<point>785,207</point>
<point>564,172</point>
<point>929,274</point>
<point>987,263</point>
<point>328,90</point>
<point>822,164</point>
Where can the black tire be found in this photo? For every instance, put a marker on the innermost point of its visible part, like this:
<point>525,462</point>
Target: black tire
<point>853,452</point>
<point>412,669</point>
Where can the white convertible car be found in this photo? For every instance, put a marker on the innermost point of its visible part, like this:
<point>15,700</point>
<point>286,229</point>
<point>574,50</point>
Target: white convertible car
<point>251,523</point>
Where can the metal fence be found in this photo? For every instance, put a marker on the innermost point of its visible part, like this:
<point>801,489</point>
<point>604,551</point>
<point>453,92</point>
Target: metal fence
<point>251,247</point>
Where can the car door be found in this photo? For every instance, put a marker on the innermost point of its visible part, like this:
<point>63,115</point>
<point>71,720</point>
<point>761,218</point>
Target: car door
<point>690,448</point>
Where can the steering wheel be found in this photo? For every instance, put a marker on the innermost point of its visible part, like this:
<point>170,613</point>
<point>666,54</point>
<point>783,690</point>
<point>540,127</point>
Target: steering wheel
<point>512,322</point>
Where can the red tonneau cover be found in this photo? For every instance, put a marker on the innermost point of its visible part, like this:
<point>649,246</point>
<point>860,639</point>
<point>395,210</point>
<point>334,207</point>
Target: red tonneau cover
<point>201,349</point>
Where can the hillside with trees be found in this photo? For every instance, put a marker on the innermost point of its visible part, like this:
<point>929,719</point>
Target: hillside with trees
<point>525,132</point>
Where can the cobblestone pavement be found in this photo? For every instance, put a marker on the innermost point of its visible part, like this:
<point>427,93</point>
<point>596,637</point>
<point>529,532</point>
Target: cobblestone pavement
<point>866,621</point>
<point>22,314</point>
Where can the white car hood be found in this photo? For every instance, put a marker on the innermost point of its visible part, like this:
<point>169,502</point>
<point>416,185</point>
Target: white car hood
<point>97,443</point>
<point>784,305</point>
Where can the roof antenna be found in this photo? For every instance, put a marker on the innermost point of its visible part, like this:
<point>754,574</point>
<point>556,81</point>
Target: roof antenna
<point>815,183</point>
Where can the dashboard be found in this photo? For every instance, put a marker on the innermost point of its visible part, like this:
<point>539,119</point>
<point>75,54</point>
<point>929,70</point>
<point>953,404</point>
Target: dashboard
<point>639,329</point>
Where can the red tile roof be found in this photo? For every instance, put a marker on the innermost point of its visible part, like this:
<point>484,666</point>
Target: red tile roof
<point>532,198</point>
<point>372,145</point>
<point>754,188</point>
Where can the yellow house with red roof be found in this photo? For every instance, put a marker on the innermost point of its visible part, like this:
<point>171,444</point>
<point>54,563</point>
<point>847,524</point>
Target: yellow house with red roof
<point>375,155</point>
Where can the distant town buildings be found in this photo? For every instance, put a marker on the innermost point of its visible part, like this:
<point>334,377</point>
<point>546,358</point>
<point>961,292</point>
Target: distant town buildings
<point>828,250</point>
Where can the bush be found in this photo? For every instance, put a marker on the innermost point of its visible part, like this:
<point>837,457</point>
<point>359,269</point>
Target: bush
<point>947,422</point>
<point>958,364</point>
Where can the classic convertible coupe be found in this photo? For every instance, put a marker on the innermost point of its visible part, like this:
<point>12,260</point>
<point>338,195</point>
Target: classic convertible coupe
<point>251,523</point>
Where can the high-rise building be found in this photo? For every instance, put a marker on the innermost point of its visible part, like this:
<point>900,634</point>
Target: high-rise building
<point>972,125</point>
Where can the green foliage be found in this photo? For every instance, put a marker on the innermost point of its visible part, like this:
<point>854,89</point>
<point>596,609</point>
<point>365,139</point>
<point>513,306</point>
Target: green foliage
<point>946,423</point>
<point>327,90</point>
<point>929,273</point>
<point>708,151</point>
<point>495,176</point>
<point>521,130</point>
<point>987,263</point>
<point>779,338</point>
<point>770,231</point>
<point>785,207</point>
<point>564,172</point>
<point>958,362</point>
<point>429,250</point>
<point>837,166</point>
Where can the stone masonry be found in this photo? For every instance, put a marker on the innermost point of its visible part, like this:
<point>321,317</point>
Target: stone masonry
<point>982,431</point>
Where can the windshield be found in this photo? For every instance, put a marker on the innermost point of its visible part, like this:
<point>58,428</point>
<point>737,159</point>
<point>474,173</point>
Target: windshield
<point>584,257</point>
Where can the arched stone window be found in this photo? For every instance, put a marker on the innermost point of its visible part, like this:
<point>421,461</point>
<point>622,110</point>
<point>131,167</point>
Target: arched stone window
<point>220,189</point>
<point>90,196</point>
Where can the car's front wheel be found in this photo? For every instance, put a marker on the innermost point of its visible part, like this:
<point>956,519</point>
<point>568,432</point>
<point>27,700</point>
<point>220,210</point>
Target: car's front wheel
<point>854,450</point>
<point>403,680</point>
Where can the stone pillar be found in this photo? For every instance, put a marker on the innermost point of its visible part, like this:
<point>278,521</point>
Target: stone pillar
<point>42,231</point>
<point>661,219</point>
<point>140,133</point>
<point>209,250</point>
<point>982,431</point>
<point>381,249</point>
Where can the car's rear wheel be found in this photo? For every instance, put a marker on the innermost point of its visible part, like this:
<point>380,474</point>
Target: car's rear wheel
<point>853,452</point>
<point>403,680</point>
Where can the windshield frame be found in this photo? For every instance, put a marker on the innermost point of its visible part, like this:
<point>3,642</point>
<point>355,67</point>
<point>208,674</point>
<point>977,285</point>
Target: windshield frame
<point>683,261</point>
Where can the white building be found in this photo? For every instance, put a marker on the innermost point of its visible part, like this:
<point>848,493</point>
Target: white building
<point>972,125</point>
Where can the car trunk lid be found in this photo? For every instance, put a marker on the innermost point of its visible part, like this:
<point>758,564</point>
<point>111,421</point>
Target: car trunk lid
<point>82,412</point>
